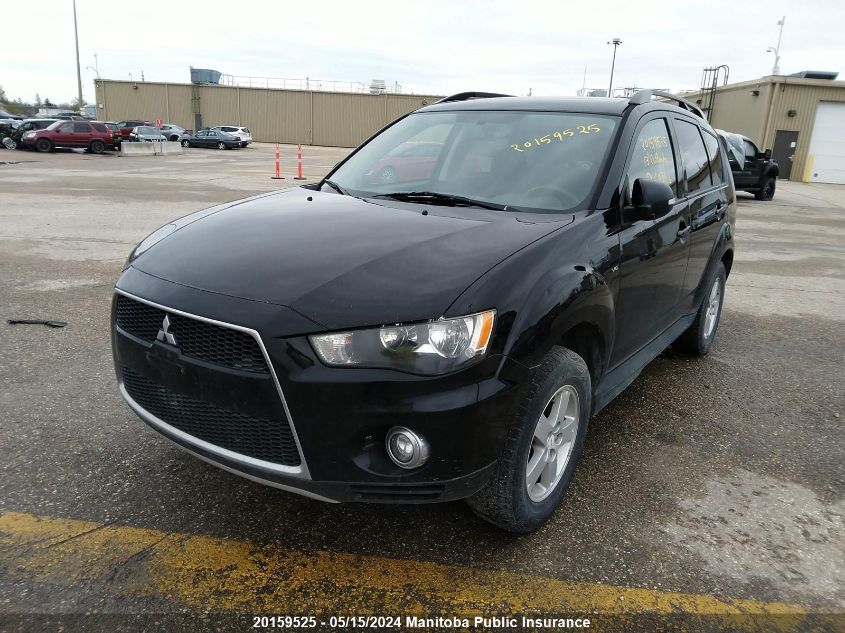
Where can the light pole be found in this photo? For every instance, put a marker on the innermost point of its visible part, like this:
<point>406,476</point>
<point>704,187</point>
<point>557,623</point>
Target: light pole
<point>78,69</point>
<point>776,49</point>
<point>616,42</point>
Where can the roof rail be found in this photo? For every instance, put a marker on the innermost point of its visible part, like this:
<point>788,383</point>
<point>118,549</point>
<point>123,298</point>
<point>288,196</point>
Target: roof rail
<point>644,96</point>
<point>466,96</point>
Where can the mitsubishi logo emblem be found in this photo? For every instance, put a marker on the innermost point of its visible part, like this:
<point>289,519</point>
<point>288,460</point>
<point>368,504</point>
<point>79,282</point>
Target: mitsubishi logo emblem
<point>164,334</point>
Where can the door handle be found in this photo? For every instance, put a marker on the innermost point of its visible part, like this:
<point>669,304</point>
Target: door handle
<point>684,232</point>
<point>720,210</point>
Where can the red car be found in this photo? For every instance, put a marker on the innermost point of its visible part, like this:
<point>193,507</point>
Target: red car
<point>91,135</point>
<point>410,161</point>
<point>127,126</point>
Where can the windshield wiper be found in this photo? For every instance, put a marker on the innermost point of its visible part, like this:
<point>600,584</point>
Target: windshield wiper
<point>446,199</point>
<point>337,187</point>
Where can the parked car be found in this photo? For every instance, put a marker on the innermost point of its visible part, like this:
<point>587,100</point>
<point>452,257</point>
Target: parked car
<point>127,126</point>
<point>753,171</point>
<point>236,130</point>
<point>117,139</point>
<point>15,139</point>
<point>146,133</point>
<point>174,132</point>
<point>409,161</point>
<point>212,138</point>
<point>7,128</point>
<point>94,136</point>
<point>447,337</point>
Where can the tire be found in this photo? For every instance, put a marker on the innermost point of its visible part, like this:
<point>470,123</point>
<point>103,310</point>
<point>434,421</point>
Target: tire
<point>10,143</point>
<point>507,500</point>
<point>221,145</point>
<point>175,137</point>
<point>186,143</point>
<point>44,145</point>
<point>767,190</point>
<point>698,337</point>
<point>388,175</point>
<point>97,147</point>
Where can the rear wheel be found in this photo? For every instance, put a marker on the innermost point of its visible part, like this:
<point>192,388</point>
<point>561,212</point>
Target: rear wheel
<point>175,137</point>
<point>43,145</point>
<point>186,143</point>
<point>542,447</point>
<point>767,191</point>
<point>698,338</point>
<point>97,147</point>
<point>221,145</point>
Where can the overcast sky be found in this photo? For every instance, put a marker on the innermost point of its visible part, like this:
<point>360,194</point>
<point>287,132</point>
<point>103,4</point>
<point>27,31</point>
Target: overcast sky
<point>427,46</point>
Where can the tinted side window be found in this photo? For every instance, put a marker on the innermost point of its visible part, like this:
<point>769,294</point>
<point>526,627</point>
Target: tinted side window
<point>715,156</point>
<point>694,156</point>
<point>81,127</point>
<point>99,127</point>
<point>653,157</point>
<point>66,127</point>
<point>750,150</point>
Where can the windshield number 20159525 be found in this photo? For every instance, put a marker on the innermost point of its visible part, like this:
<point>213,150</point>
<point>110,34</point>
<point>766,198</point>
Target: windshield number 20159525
<point>592,128</point>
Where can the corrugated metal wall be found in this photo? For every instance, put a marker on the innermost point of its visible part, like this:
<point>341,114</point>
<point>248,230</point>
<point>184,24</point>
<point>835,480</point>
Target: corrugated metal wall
<point>286,116</point>
<point>760,117</point>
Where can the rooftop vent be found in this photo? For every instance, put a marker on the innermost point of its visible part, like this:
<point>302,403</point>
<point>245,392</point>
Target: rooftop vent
<point>205,76</point>
<point>816,74</point>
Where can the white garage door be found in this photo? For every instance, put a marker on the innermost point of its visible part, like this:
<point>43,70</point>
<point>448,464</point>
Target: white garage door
<point>826,160</point>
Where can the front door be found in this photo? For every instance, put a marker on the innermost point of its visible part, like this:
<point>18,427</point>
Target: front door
<point>63,135</point>
<point>784,151</point>
<point>655,251</point>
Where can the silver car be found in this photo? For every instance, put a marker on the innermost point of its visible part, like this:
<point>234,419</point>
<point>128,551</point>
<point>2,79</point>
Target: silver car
<point>146,133</point>
<point>237,130</point>
<point>174,132</point>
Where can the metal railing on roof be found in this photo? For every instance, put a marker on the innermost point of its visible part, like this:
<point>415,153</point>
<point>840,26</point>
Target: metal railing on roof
<point>375,86</point>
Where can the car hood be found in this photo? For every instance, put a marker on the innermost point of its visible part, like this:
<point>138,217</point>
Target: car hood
<point>339,260</point>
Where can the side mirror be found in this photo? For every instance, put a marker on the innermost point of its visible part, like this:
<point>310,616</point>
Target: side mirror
<point>649,199</point>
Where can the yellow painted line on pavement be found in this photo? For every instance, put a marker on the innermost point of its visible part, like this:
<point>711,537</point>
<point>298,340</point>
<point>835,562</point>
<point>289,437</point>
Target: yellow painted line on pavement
<point>215,573</point>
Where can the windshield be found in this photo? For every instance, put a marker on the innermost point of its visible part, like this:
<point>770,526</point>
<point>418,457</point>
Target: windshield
<point>148,130</point>
<point>546,161</point>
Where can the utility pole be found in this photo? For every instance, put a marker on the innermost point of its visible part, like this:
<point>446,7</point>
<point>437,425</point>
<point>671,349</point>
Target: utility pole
<point>616,42</point>
<point>776,49</point>
<point>78,69</point>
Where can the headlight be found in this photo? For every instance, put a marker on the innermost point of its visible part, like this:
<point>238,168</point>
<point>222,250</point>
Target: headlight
<point>429,348</point>
<point>28,135</point>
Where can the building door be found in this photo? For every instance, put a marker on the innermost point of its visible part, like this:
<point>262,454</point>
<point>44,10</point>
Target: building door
<point>826,157</point>
<point>784,151</point>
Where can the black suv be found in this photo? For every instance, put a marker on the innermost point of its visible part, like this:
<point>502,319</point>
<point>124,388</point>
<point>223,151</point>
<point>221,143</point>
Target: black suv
<point>446,334</point>
<point>753,171</point>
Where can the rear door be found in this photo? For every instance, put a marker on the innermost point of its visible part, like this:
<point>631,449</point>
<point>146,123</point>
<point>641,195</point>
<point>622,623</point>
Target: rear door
<point>82,134</point>
<point>705,187</point>
<point>654,251</point>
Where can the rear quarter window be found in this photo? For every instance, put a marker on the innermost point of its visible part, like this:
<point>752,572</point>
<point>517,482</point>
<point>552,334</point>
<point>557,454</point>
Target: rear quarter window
<point>694,155</point>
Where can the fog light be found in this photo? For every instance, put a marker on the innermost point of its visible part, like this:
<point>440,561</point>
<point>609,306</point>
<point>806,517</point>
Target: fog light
<point>406,448</point>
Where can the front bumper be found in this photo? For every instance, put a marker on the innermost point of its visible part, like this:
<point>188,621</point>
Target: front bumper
<point>337,417</point>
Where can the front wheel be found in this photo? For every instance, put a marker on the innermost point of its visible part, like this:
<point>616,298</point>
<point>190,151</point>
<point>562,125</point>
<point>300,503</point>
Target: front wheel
<point>10,143</point>
<point>698,338</point>
<point>186,143</point>
<point>221,145</point>
<point>767,190</point>
<point>175,137</point>
<point>542,446</point>
<point>43,145</point>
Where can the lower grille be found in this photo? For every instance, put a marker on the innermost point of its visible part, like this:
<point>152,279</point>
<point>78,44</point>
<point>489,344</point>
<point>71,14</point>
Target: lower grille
<point>267,440</point>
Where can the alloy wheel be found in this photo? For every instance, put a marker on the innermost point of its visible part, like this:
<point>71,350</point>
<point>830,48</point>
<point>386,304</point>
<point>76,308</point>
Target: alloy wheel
<point>712,314</point>
<point>552,443</point>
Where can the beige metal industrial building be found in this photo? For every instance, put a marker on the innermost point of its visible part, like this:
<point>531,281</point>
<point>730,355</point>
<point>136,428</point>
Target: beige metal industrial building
<point>312,117</point>
<point>801,119</point>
